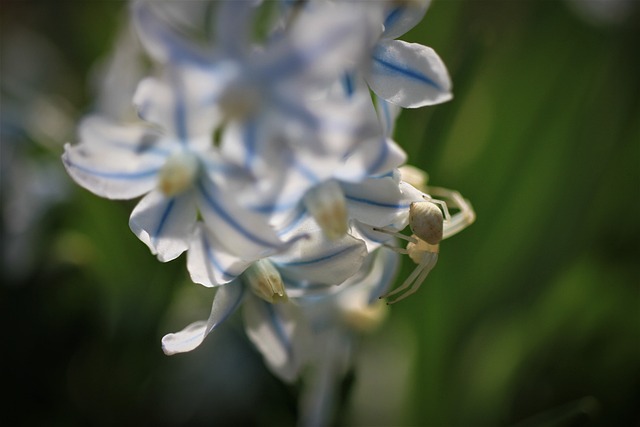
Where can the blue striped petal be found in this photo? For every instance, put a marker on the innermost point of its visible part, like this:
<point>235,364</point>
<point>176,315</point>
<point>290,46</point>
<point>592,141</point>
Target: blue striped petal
<point>402,17</point>
<point>178,104</point>
<point>233,26</point>
<point>381,202</point>
<point>373,239</point>
<point>387,114</point>
<point>164,224</point>
<point>209,263</point>
<point>117,162</point>
<point>88,170</point>
<point>225,303</point>
<point>325,40</point>
<point>162,41</point>
<point>319,260</point>
<point>377,156</point>
<point>408,74</point>
<point>274,330</point>
<point>243,232</point>
<point>382,274</point>
<point>131,140</point>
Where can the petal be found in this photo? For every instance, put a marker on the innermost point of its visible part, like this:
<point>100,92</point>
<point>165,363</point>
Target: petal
<point>344,122</point>
<point>227,299</point>
<point>378,276</point>
<point>117,162</point>
<point>318,260</point>
<point>162,41</point>
<point>352,83</point>
<point>344,143</point>
<point>387,114</point>
<point>209,263</point>
<point>325,40</point>
<point>282,178</point>
<point>275,330</point>
<point>178,103</point>
<point>233,30</point>
<point>381,202</point>
<point>402,17</point>
<point>245,233</point>
<point>164,224</point>
<point>283,191</point>
<point>377,156</point>
<point>332,353</point>
<point>373,239</point>
<point>408,74</point>
<point>383,273</point>
<point>117,75</point>
<point>102,134</point>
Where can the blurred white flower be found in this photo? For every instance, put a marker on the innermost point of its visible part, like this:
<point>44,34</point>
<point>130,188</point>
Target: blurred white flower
<point>179,171</point>
<point>603,12</point>
<point>311,263</point>
<point>35,118</point>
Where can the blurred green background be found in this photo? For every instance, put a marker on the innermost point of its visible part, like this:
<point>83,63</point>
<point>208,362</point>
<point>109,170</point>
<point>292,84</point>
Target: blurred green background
<point>531,317</point>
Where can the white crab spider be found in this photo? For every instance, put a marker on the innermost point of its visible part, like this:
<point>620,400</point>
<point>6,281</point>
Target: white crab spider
<point>430,221</point>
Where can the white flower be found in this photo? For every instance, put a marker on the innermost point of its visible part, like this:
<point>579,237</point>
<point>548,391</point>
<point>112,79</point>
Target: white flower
<point>284,191</point>
<point>176,168</point>
<point>313,263</point>
<point>408,75</point>
<point>275,125</point>
<point>316,338</point>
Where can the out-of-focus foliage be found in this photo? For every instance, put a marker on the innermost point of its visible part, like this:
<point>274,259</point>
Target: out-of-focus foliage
<point>531,317</point>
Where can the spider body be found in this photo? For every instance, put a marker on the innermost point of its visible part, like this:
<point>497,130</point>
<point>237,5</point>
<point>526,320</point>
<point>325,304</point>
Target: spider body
<point>426,222</point>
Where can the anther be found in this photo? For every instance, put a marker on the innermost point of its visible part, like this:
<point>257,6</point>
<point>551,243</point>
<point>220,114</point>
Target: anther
<point>265,282</point>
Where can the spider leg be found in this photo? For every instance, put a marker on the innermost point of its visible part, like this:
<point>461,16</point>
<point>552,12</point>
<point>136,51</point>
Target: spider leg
<point>442,204</point>
<point>460,220</point>
<point>429,263</point>
<point>415,279</point>
<point>407,282</point>
<point>396,249</point>
<point>395,234</point>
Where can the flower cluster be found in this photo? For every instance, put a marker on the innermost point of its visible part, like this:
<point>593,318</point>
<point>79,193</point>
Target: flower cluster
<point>267,156</point>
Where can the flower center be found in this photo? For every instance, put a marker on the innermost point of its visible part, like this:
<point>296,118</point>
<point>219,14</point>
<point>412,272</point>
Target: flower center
<point>178,173</point>
<point>239,100</point>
